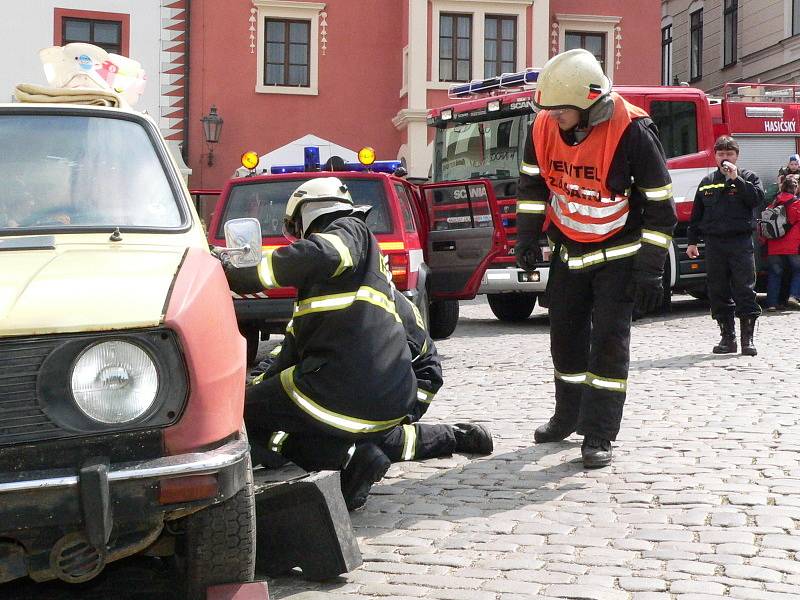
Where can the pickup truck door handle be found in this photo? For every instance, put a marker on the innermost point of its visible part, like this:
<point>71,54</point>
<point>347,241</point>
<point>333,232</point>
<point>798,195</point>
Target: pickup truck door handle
<point>444,246</point>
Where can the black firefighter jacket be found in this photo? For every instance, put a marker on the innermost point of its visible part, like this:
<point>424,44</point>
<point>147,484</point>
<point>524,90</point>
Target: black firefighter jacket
<point>345,361</point>
<point>725,208</point>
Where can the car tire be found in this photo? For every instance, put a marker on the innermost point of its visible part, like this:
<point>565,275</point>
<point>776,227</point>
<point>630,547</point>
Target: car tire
<point>219,543</point>
<point>666,300</point>
<point>512,307</point>
<point>425,310</point>
<point>253,337</point>
<point>443,318</point>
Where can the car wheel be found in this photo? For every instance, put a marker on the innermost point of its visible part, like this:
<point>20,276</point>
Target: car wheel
<point>512,307</point>
<point>219,543</point>
<point>253,337</point>
<point>425,310</point>
<point>443,318</point>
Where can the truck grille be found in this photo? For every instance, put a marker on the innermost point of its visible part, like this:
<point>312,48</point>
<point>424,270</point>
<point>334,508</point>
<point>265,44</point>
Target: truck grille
<point>21,417</point>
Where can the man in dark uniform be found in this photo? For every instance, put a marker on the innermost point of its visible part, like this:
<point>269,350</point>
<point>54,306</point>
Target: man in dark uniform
<point>594,177</point>
<point>347,375</point>
<point>412,440</point>
<point>723,214</point>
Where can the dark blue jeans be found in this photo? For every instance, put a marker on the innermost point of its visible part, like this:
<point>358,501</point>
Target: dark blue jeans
<point>777,265</point>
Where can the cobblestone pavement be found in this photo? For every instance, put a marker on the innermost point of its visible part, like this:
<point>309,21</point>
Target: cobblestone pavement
<point>701,500</point>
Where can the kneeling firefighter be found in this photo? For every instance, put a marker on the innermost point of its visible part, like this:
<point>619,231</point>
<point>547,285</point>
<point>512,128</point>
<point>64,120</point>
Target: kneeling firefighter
<point>594,178</point>
<point>409,441</point>
<point>346,375</point>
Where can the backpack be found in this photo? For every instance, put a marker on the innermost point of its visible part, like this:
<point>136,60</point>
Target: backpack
<point>774,223</point>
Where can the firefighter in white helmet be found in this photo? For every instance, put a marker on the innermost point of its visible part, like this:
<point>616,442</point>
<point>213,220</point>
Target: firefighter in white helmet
<point>594,179</point>
<point>347,376</point>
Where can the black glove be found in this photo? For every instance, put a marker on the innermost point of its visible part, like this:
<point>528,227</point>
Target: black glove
<point>647,291</point>
<point>528,254</point>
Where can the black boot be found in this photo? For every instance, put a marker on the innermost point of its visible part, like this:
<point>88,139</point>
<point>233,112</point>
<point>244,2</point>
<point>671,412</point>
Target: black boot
<point>727,343</point>
<point>472,439</point>
<point>748,325</point>
<point>368,465</point>
<point>596,452</point>
<point>554,430</point>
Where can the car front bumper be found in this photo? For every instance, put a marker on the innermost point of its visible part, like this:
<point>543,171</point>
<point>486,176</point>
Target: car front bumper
<point>114,510</point>
<point>512,279</point>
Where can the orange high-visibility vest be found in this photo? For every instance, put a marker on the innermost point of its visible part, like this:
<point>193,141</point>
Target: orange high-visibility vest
<point>582,206</point>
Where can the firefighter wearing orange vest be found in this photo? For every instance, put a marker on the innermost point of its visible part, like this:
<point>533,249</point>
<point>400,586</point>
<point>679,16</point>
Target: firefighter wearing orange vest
<point>594,179</point>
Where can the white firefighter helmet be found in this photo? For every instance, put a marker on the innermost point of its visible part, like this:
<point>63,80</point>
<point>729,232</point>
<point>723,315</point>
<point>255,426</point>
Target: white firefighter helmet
<point>572,79</point>
<point>313,199</point>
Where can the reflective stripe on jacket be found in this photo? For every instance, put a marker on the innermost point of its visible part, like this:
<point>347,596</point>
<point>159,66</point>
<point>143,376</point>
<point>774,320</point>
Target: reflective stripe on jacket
<point>582,206</point>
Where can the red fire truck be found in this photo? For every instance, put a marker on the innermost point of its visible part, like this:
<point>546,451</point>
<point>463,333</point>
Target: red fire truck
<point>482,134</point>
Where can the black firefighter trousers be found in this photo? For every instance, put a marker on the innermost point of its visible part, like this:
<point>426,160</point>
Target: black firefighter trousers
<point>417,441</point>
<point>276,425</point>
<point>731,272</point>
<point>590,330</point>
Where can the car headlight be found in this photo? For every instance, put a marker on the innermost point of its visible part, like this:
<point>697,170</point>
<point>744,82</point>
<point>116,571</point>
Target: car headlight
<point>114,381</point>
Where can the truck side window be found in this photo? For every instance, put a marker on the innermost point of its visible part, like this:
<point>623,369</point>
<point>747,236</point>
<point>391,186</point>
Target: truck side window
<point>677,126</point>
<point>405,208</point>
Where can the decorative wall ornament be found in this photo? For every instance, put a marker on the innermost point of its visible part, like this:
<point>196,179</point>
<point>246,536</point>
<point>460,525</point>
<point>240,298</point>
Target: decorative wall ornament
<point>323,31</point>
<point>618,39</point>
<point>252,20</point>
<point>173,61</point>
<point>554,38</point>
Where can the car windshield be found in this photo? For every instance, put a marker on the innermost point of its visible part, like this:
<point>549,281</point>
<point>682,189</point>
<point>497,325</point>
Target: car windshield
<point>266,201</point>
<point>490,149</point>
<point>63,172</point>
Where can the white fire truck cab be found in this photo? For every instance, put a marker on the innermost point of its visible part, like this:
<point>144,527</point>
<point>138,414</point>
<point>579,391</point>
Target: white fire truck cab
<point>482,134</point>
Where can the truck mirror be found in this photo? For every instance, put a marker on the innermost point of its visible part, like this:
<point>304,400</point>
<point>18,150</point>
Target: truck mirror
<point>243,241</point>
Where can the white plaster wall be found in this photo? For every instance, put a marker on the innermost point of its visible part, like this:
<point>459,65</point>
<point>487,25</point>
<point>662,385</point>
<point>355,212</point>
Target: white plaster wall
<point>27,26</point>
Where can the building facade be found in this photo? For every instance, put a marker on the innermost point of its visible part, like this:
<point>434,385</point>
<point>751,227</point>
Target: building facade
<point>358,73</point>
<point>707,43</point>
<point>152,32</point>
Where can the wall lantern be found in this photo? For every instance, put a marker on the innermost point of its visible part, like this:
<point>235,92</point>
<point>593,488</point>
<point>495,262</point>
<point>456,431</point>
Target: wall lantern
<point>212,127</point>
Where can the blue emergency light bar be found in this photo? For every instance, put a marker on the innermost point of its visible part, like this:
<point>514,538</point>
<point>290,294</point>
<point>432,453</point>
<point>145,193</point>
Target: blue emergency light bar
<point>379,166</point>
<point>506,80</point>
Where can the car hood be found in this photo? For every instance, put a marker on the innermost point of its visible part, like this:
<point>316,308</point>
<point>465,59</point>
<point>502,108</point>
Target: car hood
<point>85,287</point>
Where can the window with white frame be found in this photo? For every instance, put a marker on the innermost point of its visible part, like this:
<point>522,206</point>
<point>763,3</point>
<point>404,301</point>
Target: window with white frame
<point>288,46</point>
<point>594,33</point>
<point>494,42</point>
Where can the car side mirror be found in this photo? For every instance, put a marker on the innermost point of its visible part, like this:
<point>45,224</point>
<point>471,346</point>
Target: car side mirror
<point>243,241</point>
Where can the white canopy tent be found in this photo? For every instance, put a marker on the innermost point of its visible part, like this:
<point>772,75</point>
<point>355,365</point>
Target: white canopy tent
<point>292,154</point>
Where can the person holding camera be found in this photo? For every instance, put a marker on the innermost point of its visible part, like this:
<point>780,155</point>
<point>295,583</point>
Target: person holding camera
<point>723,214</point>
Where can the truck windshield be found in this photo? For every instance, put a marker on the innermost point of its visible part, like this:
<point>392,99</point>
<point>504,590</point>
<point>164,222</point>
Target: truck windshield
<point>490,149</point>
<point>266,201</point>
<point>77,172</point>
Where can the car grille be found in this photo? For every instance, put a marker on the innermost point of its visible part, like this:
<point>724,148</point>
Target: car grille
<point>21,417</point>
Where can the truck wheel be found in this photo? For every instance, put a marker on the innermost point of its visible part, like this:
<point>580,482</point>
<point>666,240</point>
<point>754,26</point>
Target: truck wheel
<point>512,307</point>
<point>666,301</point>
<point>219,543</point>
<point>443,318</point>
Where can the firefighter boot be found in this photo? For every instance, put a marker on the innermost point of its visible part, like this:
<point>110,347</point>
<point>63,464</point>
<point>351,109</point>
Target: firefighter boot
<point>748,325</point>
<point>472,439</point>
<point>727,343</point>
<point>368,465</point>
<point>554,430</point>
<point>596,452</point>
